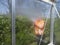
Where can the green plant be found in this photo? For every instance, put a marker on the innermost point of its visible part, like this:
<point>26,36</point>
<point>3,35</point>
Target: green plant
<point>24,27</point>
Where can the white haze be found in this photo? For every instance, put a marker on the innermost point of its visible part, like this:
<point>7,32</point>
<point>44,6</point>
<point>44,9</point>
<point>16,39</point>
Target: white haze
<point>32,9</point>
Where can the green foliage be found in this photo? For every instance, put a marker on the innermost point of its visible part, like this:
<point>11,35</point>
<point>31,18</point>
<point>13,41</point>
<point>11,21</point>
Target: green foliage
<point>57,31</point>
<point>24,27</point>
<point>5,32</point>
<point>47,31</point>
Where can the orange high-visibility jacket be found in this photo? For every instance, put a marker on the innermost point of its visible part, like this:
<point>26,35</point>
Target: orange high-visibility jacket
<point>39,26</point>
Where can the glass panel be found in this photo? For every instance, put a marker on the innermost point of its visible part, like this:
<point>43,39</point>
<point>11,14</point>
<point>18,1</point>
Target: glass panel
<point>27,11</point>
<point>57,23</point>
<point>57,32</point>
<point>5,23</point>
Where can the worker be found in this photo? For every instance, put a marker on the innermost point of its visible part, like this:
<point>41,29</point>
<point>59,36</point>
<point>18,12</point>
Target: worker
<point>39,28</point>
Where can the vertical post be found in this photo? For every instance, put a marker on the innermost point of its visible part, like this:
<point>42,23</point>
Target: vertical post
<point>52,25</point>
<point>13,22</point>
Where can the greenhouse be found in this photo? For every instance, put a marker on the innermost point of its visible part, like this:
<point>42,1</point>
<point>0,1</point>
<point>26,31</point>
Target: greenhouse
<point>29,22</point>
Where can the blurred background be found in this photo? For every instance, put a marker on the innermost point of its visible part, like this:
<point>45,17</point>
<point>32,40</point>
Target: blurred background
<point>26,11</point>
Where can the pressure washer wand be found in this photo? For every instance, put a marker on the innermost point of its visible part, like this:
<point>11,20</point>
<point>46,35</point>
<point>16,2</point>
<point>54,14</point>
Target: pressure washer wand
<point>40,40</point>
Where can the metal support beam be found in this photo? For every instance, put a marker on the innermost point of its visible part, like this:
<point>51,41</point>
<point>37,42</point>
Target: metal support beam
<point>13,22</point>
<point>52,25</point>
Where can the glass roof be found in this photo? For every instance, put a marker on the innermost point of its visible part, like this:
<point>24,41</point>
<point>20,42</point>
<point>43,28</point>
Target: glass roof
<point>32,9</point>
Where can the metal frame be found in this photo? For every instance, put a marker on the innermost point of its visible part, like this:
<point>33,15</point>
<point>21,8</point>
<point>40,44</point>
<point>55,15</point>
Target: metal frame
<point>13,22</point>
<point>52,3</point>
<point>52,25</point>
